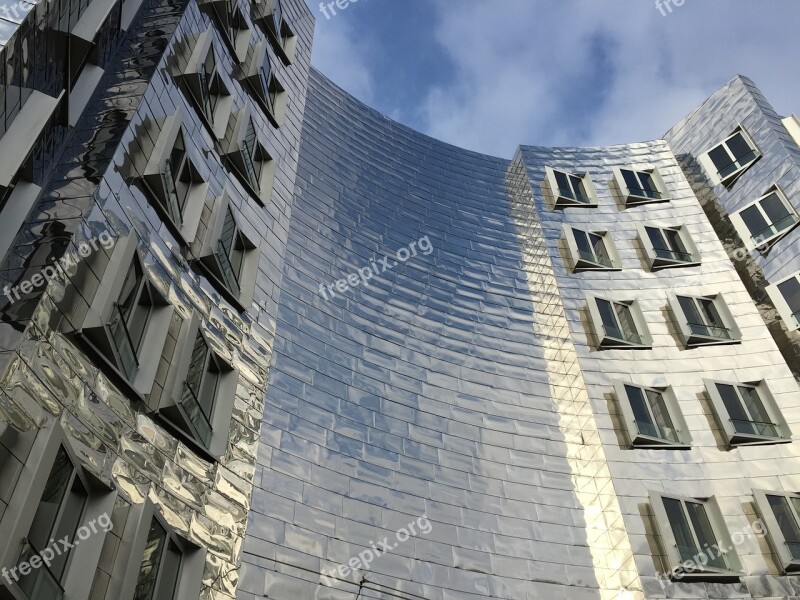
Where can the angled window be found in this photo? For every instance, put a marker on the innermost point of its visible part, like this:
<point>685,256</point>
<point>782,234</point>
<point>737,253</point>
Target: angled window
<point>200,391</point>
<point>126,321</point>
<point>231,24</point>
<point>641,187</point>
<point>227,255</point>
<point>618,324</point>
<point>747,413</point>
<point>591,250</point>
<point>54,498</point>
<point>765,221</point>
<point>780,512</point>
<point>171,179</point>
<point>155,562</point>
<point>569,189</point>
<point>668,247</point>
<point>786,297</point>
<point>257,75</point>
<point>704,320</point>
<point>279,32</point>
<point>727,161</point>
<point>200,80</point>
<point>692,529</point>
<point>652,417</point>
<point>247,158</point>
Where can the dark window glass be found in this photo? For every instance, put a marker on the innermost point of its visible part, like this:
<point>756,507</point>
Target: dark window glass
<point>746,410</point>
<point>592,248</point>
<point>787,522</point>
<point>790,290</point>
<point>651,414</point>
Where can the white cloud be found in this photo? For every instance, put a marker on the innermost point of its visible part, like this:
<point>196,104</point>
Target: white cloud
<point>585,72</point>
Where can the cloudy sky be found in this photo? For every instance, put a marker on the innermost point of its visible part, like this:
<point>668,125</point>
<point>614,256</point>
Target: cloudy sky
<point>491,74</point>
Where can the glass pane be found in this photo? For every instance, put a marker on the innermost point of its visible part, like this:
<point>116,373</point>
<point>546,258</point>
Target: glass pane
<point>758,414</point>
<point>644,421</point>
<point>137,323</point>
<point>627,323</point>
<point>599,250</point>
<point>710,313</point>
<point>675,245</point>
<point>130,290</point>
<point>739,147</point>
<point>170,573</point>
<point>631,181</point>
<point>680,529</point>
<point>756,223</point>
<point>226,253</point>
<point>563,185</point>
<point>666,429</point>
<point>704,532</point>
<point>720,157</point>
<point>54,492</point>
<point>787,523</point>
<point>609,318</point>
<point>582,242</point>
<point>579,192</point>
<point>151,562</point>
<point>790,290</point>
<point>68,523</point>
<point>736,411</point>
<point>780,216</point>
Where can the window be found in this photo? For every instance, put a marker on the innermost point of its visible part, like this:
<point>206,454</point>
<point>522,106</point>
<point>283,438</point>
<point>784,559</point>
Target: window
<point>58,514</point>
<point>160,569</point>
<point>591,251</point>
<point>747,413</point>
<point>726,162</point>
<point>652,417</point>
<point>765,221</point>
<point>227,256</point>
<point>279,32</point>
<point>618,324</point>
<point>247,159</point>
<point>171,179</point>
<point>200,388</point>
<point>691,530</point>
<point>258,77</point>
<point>199,391</point>
<point>705,321</point>
<point>786,297</point>
<point>668,247</point>
<point>571,190</point>
<point>780,512</point>
<point>231,24</point>
<point>125,323</point>
<point>641,187</point>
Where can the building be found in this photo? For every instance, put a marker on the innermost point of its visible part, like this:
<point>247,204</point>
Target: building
<point>258,340</point>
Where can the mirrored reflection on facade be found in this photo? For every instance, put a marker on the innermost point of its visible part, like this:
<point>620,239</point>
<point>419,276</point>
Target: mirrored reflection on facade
<point>585,378</point>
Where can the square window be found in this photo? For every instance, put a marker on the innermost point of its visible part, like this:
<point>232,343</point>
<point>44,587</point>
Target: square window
<point>668,247</point>
<point>691,529</point>
<point>618,324</point>
<point>726,162</point>
<point>765,221</point>
<point>786,297</point>
<point>569,189</point>
<point>247,159</point>
<point>747,413</point>
<point>652,417</point>
<point>590,250</point>
<point>641,186</point>
<point>780,512</point>
<point>704,321</point>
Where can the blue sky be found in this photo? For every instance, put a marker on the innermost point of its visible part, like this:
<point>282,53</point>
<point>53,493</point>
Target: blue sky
<point>492,74</point>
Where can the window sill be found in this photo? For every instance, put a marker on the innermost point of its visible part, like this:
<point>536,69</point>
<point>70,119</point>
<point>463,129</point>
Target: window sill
<point>643,442</point>
<point>731,179</point>
<point>700,341</point>
<point>709,576</point>
<point>632,201</point>
<point>564,202</point>
<point>660,264</point>
<point>614,344</point>
<point>584,265</point>
<point>739,440</point>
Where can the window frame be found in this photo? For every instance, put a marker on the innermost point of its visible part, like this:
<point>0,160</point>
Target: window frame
<point>656,262</point>
<point>16,521</point>
<point>711,168</point>
<point>125,572</point>
<point>173,414</point>
<point>765,244</point>
<point>790,319</point>
<point>718,527</point>
<point>259,77</point>
<point>154,179</point>
<point>235,157</point>
<point>607,342</point>
<point>559,201</point>
<point>692,339</point>
<point>636,438</point>
<point>279,32</point>
<point>775,534</point>
<point>736,438</point>
<point>633,199</point>
<point>581,263</point>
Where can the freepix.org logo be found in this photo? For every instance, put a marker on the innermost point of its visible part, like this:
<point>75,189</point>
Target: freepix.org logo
<point>376,268</point>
